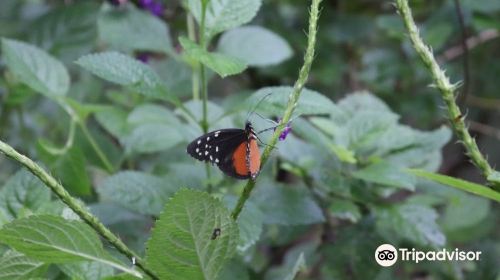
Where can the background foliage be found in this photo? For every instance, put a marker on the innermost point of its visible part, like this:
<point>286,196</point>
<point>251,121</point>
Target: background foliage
<point>106,96</point>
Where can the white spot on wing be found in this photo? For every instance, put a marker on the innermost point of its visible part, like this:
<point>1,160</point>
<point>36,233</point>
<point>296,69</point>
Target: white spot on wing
<point>199,141</point>
<point>211,158</point>
<point>216,149</point>
<point>208,138</point>
<point>216,160</point>
<point>197,150</point>
<point>206,152</point>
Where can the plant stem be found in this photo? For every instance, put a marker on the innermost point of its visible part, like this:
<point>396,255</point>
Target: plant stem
<point>292,102</point>
<point>447,90</point>
<point>97,149</point>
<point>74,204</point>
<point>195,78</point>
<point>204,91</point>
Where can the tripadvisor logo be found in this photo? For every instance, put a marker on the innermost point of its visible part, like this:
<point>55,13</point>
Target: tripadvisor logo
<point>387,255</point>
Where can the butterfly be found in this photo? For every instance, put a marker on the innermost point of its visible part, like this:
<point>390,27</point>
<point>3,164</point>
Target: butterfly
<point>234,151</point>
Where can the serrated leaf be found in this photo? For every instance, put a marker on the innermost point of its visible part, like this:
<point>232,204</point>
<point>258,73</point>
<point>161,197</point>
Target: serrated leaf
<point>35,68</point>
<point>23,192</point>
<point>310,102</point>
<point>222,64</point>
<point>410,222</point>
<point>52,239</point>
<point>86,270</point>
<point>224,14</point>
<point>16,266</point>
<point>255,45</point>
<point>124,70</point>
<point>386,174</point>
<point>129,28</point>
<point>458,183</point>
<point>287,206</point>
<point>183,245</point>
<point>136,191</point>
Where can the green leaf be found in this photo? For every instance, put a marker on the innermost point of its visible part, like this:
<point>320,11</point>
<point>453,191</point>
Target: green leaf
<point>222,64</point>
<point>35,68</point>
<point>386,174</point>
<point>410,222</point>
<point>299,265</point>
<point>182,245</point>
<point>224,14</point>
<point>310,102</point>
<point>344,209</point>
<point>150,113</point>
<point>52,239</point>
<point>250,223</point>
<point>16,266</point>
<point>255,45</point>
<point>129,28</point>
<point>458,183</point>
<point>86,270</point>
<point>136,191</point>
<point>151,138</point>
<point>124,70</point>
<point>114,120</point>
<point>23,192</point>
<point>67,31</point>
<point>287,206</point>
<point>71,170</point>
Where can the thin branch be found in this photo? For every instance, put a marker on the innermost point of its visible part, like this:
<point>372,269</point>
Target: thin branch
<point>75,205</point>
<point>471,42</point>
<point>465,58</point>
<point>447,90</point>
<point>292,102</point>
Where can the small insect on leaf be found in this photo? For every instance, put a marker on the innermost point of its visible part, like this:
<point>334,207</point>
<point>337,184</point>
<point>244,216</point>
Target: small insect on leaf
<point>216,233</point>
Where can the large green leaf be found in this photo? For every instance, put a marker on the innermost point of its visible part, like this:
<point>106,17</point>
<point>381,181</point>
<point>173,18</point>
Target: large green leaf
<point>255,45</point>
<point>137,191</point>
<point>224,14</point>
<point>151,138</point>
<point>222,64</point>
<point>124,70</point>
<point>386,174</point>
<point>114,120</point>
<point>23,193</point>
<point>35,68</point>
<point>71,169</point>
<point>459,184</point>
<point>185,244</point>
<point>86,270</point>
<point>16,266</point>
<point>67,31</point>
<point>287,206</point>
<point>52,239</point>
<point>310,102</point>
<point>410,222</point>
<point>132,29</point>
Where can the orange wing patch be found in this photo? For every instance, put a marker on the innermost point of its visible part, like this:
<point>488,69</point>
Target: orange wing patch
<point>240,159</point>
<point>254,158</point>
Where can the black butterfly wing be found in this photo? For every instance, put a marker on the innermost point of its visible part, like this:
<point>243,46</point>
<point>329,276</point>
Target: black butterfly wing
<point>217,147</point>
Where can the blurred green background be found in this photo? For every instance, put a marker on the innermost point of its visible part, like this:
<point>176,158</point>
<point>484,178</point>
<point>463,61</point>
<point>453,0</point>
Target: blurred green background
<point>362,47</point>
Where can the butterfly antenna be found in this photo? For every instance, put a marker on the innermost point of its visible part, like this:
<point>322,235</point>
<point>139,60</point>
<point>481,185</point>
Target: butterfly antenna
<point>257,105</point>
<point>277,124</point>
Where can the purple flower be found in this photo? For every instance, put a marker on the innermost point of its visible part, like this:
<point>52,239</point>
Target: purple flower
<point>286,130</point>
<point>144,57</point>
<point>153,6</point>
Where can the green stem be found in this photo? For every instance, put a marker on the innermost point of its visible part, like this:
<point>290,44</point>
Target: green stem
<point>75,205</point>
<point>107,164</point>
<point>292,102</point>
<point>204,90</point>
<point>447,90</point>
<point>195,78</point>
